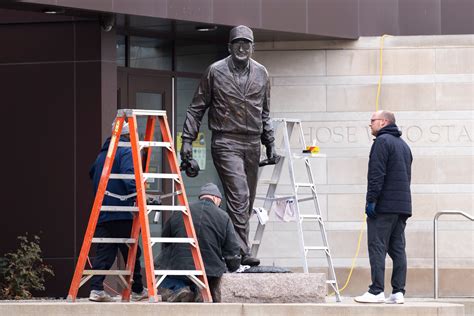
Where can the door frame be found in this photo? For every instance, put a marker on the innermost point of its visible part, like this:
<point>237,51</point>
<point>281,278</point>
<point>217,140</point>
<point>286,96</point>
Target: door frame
<point>131,81</point>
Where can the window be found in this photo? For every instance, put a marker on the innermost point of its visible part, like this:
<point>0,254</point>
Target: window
<point>150,53</point>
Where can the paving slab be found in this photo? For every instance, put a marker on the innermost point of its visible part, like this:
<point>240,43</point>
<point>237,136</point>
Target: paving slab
<point>417,307</point>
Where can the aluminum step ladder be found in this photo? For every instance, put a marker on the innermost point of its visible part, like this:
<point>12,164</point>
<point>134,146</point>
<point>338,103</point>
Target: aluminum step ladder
<point>141,153</point>
<point>289,127</point>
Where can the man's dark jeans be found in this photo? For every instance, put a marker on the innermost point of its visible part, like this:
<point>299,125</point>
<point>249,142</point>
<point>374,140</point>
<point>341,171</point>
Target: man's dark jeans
<point>106,253</point>
<point>386,234</point>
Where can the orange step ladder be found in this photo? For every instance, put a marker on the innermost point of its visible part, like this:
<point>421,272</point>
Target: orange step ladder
<point>140,218</point>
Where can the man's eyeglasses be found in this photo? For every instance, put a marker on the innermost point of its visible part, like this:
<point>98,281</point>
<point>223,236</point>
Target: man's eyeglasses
<point>373,120</point>
<point>244,45</point>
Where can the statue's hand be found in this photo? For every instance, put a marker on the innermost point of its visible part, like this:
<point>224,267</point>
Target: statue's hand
<point>186,150</point>
<point>271,150</point>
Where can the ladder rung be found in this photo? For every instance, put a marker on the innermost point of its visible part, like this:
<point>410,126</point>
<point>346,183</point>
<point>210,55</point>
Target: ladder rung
<point>310,216</point>
<point>276,198</point>
<point>146,144</point>
<point>331,281</point>
<point>308,156</point>
<point>161,176</point>
<point>299,156</point>
<point>306,199</point>
<point>267,181</point>
<point>256,242</point>
<point>172,240</point>
<point>100,240</point>
<point>305,185</point>
<point>112,208</point>
<point>145,175</point>
<point>178,272</point>
<point>106,272</point>
<point>130,112</point>
<point>288,120</point>
<point>166,208</point>
<point>316,248</point>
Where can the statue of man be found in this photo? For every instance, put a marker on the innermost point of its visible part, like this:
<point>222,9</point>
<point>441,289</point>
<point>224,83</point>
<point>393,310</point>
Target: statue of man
<point>236,90</point>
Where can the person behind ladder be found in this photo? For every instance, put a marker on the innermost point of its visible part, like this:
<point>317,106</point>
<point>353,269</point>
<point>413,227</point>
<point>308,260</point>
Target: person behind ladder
<point>115,224</point>
<point>219,247</point>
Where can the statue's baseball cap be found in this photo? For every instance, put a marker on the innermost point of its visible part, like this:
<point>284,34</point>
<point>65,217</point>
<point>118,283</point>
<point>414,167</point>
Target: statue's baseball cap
<point>241,32</point>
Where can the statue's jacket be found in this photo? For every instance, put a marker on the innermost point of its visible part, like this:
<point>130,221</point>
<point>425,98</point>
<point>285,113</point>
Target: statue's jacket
<point>232,109</point>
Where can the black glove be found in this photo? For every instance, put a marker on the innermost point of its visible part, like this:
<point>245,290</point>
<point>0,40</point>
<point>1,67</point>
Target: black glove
<point>370,210</point>
<point>271,150</point>
<point>232,262</point>
<point>186,150</point>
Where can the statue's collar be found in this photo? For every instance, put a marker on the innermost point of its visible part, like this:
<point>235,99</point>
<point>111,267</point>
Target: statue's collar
<point>233,67</point>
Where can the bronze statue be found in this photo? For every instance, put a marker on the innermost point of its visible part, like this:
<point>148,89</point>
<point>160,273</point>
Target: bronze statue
<point>236,90</point>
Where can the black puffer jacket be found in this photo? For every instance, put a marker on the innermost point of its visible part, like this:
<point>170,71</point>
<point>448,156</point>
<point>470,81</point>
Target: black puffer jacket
<point>215,234</point>
<point>389,175</point>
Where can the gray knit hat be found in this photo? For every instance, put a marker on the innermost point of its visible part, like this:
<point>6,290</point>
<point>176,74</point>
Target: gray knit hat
<point>210,189</point>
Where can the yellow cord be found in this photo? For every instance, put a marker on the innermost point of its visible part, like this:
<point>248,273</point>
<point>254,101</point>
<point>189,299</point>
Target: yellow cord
<point>363,222</point>
<point>382,39</point>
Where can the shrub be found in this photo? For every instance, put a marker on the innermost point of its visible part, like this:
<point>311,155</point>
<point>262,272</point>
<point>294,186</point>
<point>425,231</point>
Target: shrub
<point>23,271</point>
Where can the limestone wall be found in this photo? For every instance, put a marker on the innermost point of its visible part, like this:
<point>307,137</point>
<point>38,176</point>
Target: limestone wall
<point>428,82</point>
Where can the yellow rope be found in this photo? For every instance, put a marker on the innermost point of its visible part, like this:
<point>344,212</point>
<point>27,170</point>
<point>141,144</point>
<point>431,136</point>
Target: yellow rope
<point>382,39</point>
<point>363,222</point>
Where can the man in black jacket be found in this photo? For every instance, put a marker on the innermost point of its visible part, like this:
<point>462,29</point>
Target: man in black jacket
<point>388,205</point>
<point>217,242</point>
<point>236,90</point>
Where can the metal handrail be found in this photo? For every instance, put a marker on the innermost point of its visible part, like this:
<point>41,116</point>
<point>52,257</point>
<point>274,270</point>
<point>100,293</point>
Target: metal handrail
<point>435,239</point>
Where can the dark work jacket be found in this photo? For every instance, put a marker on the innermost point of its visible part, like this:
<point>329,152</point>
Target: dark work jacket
<point>215,234</point>
<point>389,175</point>
<point>123,163</point>
<point>231,109</point>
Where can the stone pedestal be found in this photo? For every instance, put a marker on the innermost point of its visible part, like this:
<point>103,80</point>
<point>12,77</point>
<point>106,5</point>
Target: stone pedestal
<point>273,288</point>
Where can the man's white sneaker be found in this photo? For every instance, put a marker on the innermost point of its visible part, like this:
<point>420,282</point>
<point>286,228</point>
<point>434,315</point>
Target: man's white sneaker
<point>370,298</point>
<point>140,296</point>
<point>396,298</point>
<point>100,296</point>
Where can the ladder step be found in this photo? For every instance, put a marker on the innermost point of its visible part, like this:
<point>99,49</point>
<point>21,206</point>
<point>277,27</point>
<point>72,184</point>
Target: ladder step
<point>267,181</point>
<point>310,216</point>
<point>256,242</point>
<point>112,208</point>
<point>106,272</point>
<point>166,208</point>
<point>288,120</point>
<point>308,156</point>
<point>178,272</point>
<point>145,175</point>
<point>331,281</point>
<point>100,240</point>
<point>315,248</point>
<point>130,112</point>
<point>172,240</point>
<point>146,144</point>
<point>276,198</point>
<point>304,185</point>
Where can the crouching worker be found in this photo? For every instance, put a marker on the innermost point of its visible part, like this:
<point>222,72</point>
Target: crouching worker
<point>219,248</point>
<point>115,224</point>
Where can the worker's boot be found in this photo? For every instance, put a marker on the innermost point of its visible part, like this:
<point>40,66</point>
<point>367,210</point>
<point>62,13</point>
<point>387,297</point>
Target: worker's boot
<point>247,260</point>
<point>165,293</point>
<point>182,295</point>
